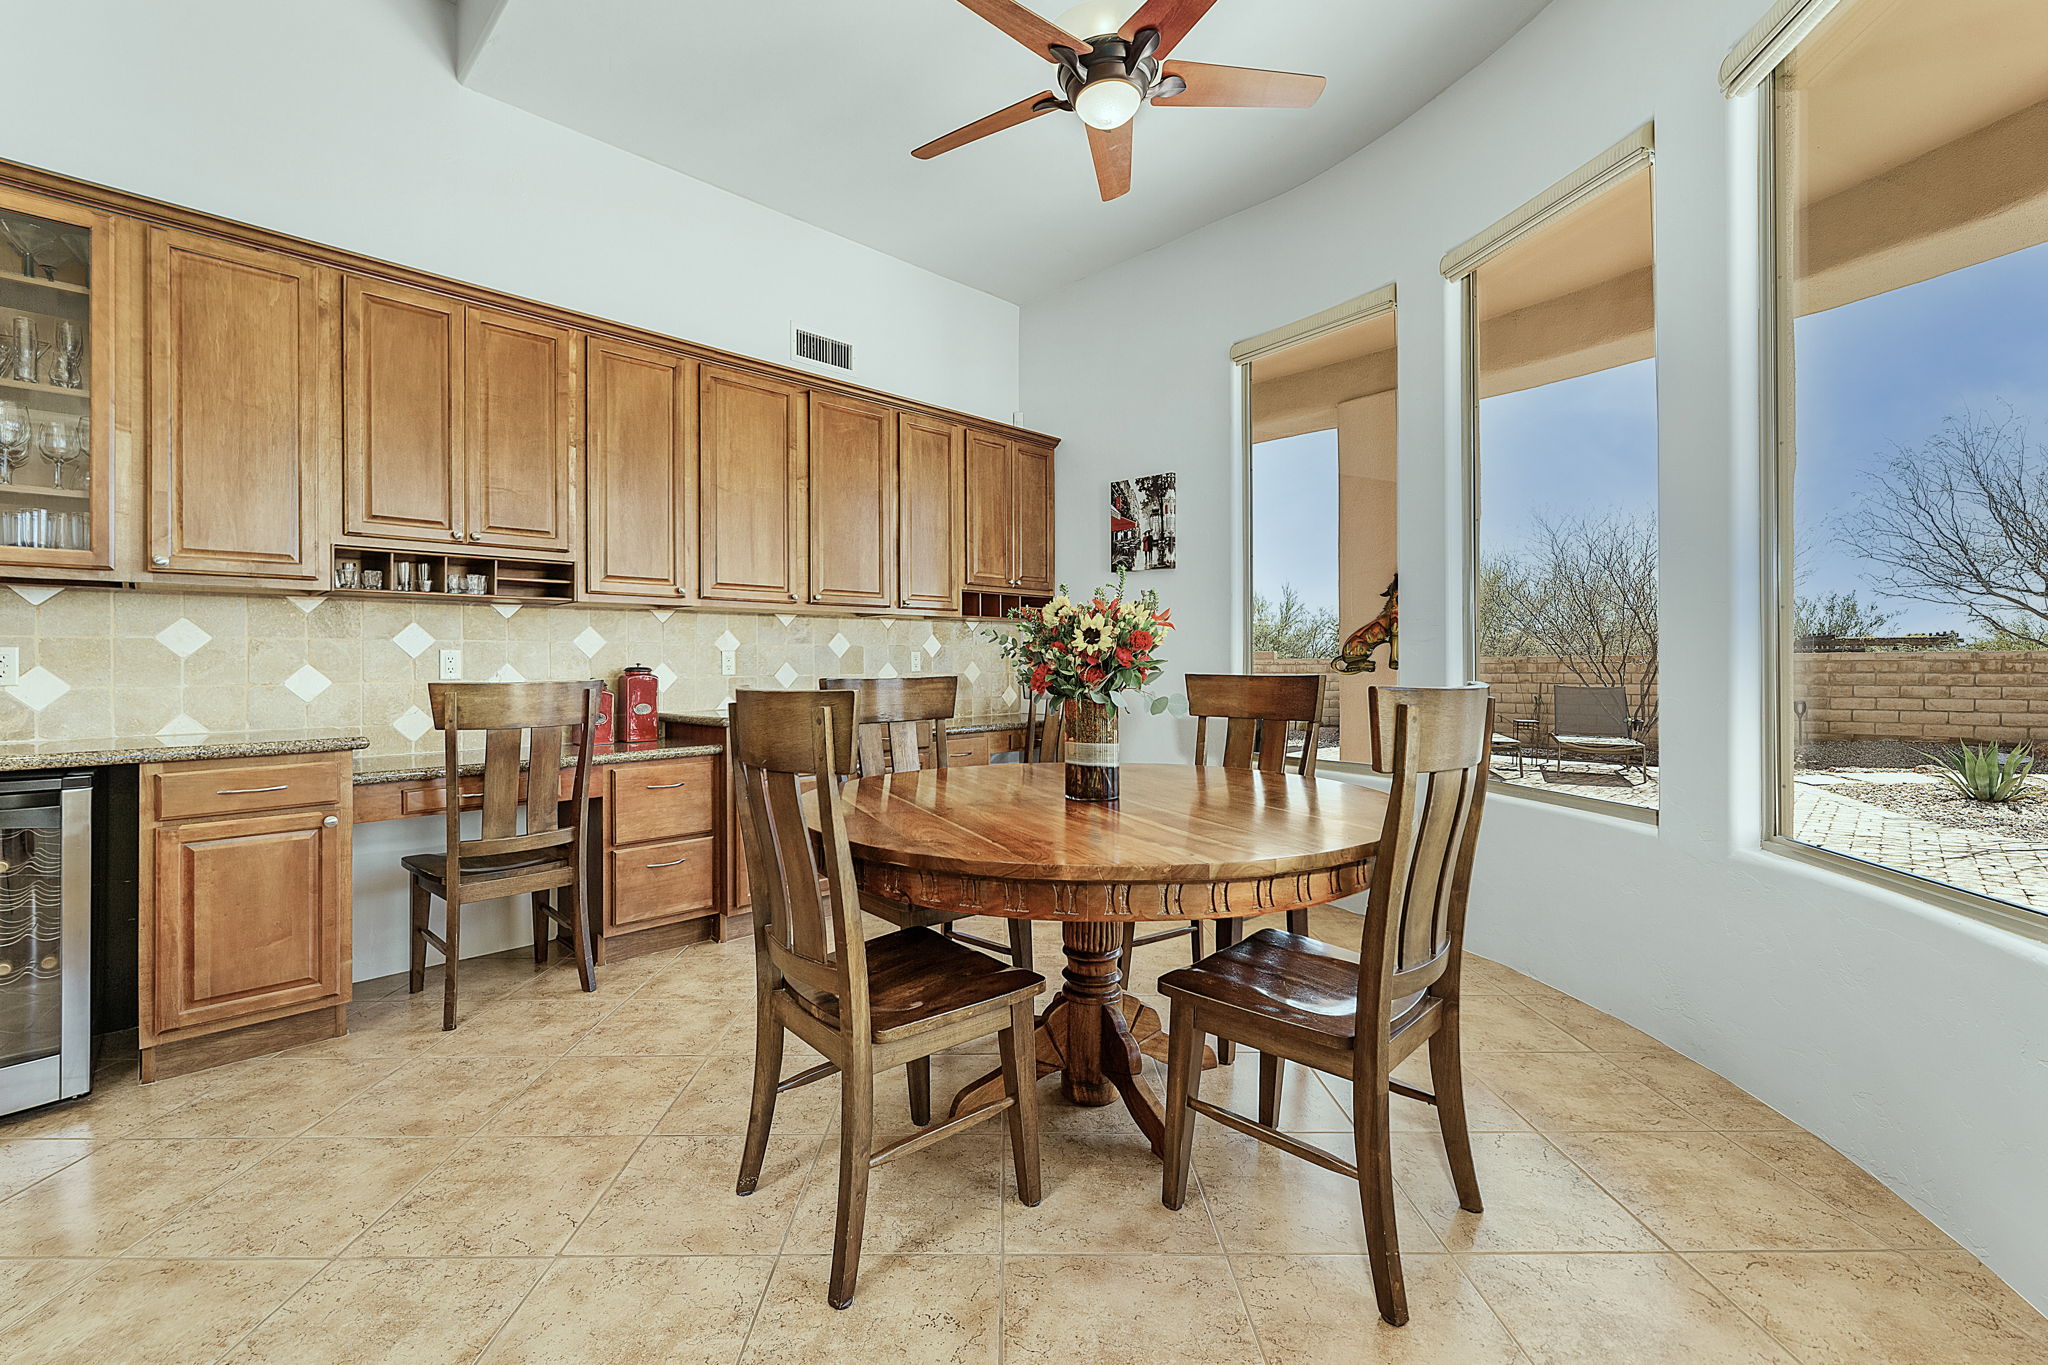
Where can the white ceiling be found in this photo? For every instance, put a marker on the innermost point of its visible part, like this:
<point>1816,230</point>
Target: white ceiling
<point>811,107</point>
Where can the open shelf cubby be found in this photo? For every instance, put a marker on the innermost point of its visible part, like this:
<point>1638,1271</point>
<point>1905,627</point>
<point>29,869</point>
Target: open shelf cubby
<point>504,580</point>
<point>994,606</point>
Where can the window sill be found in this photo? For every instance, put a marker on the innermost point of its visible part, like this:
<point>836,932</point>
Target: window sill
<point>1640,815</point>
<point>1984,909</point>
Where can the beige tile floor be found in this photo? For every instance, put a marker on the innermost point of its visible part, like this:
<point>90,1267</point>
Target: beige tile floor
<point>553,1183</point>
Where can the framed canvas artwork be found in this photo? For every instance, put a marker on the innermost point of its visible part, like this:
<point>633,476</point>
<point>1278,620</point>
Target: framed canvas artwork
<point>1141,523</point>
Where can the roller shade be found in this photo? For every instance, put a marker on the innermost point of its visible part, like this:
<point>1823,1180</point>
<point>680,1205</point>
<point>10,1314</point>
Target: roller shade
<point>1329,320</point>
<point>1624,157</point>
<point>1770,42</point>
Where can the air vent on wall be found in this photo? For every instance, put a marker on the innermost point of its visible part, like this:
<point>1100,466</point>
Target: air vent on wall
<point>823,350</point>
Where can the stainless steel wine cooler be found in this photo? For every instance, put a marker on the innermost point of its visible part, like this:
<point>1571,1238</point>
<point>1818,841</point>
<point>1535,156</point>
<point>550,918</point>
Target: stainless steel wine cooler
<point>45,938</point>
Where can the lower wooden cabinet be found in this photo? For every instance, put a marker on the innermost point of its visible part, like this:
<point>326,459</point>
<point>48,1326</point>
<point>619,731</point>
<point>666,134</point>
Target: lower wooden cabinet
<point>245,915</point>
<point>661,857</point>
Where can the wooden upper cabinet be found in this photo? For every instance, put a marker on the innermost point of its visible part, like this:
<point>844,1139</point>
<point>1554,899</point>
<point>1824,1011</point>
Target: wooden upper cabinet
<point>928,545</point>
<point>520,427</point>
<point>244,391</point>
<point>640,463</point>
<point>752,500</point>
<point>990,513</point>
<point>853,502</point>
<point>403,452</point>
<point>1031,488</point>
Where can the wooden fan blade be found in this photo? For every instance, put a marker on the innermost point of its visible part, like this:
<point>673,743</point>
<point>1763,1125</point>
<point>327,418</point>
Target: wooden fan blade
<point>1240,87</point>
<point>1036,32</point>
<point>1111,149</point>
<point>1173,19</point>
<point>1023,111</point>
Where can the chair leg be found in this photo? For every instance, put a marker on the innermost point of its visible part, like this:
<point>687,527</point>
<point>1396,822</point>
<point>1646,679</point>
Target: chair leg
<point>1020,944</point>
<point>856,1145</point>
<point>1128,955</point>
<point>1228,931</point>
<point>579,918</point>
<point>1195,953</point>
<point>451,966</point>
<point>1020,1078</point>
<point>1271,1076</point>
<point>761,1109</point>
<point>1376,1191</point>
<point>1297,920</point>
<point>1183,1083</point>
<point>1447,1079</point>
<point>919,1074</point>
<point>543,928</point>
<point>422,903</point>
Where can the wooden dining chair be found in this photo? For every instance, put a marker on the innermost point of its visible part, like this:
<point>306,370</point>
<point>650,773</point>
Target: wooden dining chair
<point>1297,999</point>
<point>1044,722</point>
<point>1259,712</point>
<point>546,860</point>
<point>867,1004</point>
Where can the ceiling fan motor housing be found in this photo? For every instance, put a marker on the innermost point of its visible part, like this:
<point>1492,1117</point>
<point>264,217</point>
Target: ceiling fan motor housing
<point>1110,58</point>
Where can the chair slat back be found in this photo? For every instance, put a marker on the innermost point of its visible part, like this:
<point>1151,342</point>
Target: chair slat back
<point>1259,711</point>
<point>888,715</point>
<point>1434,742</point>
<point>803,936</point>
<point>524,725</point>
<point>1595,712</point>
<point>1045,718</point>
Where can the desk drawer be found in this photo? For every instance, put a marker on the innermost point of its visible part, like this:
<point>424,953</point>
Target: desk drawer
<point>231,788</point>
<point>650,883</point>
<point>664,800</point>
<point>968,751</point>
<point>431,797</point>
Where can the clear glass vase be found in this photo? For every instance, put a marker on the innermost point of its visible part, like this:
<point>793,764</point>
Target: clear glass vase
<point>1090,750</point>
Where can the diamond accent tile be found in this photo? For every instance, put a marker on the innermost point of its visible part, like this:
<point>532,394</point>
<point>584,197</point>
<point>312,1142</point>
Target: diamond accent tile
<point>662,613</point>
<point>972,672</point>
<point>785,675</point>
<point>589,641</point>
<point>308,683</point>
<point>413,724</point>
<point>182,729</point>
<point>33,594</point>
<point>838,644</point>
<point>1010,697</point>
<point>784,619</point>
<point>38,688</point>
<point>726,640</point>
<point>507,673</point>
<point>932,646</point>
<point>412,639</point>
<point>308,605</point>
<point>183,638</point>
<point>664,677</point>
<point>505,609</point>
<point>887,671</point>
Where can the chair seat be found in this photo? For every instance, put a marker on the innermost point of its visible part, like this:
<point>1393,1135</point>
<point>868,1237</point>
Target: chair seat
<point>1291,979</point>
<point>1598,742</point>
<point>434,866</point>
<point>916,976</point>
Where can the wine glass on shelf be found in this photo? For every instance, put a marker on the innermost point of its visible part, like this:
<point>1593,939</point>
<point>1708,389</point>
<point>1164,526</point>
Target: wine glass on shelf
<point>27,350</point>
<point>67,367</point>
<point>58,440</point>
<point>15,432</point>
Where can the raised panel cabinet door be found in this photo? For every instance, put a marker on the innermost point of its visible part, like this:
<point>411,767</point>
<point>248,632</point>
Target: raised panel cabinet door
<point>990,516</point>
<point>244,384</point>
<point>753,466</point>
<point>927,513</point>
<point>1032,490</point>
<point>640,470</point>
<point>520,429</point>
<point>251,915</point>
<point>853,502</point>
<point>402,410</point>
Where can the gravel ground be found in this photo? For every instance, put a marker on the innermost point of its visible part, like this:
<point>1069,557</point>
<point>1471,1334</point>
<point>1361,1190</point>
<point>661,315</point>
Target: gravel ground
<point>1891,754</point>
<point>1938,803</point>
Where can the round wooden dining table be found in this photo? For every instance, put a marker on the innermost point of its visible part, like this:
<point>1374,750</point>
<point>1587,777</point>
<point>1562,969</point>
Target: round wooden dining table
<point>1181,843</point>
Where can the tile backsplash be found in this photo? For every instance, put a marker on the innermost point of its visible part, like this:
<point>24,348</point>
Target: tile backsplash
<point>128,663</point>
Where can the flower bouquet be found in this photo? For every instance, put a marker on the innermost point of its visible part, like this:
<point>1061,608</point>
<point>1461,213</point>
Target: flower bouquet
<point>1089,654</point>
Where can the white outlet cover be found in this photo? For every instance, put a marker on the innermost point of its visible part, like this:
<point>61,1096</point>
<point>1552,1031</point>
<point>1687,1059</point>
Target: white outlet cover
<point>728,662</point>
<point>451,665</point>
<point>10,666</point>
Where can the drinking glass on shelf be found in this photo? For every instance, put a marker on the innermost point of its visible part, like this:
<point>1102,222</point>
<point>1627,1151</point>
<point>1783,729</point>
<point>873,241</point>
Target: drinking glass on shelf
<point>27,350</point>
<point>15,434</point>
<point>424,578</point>
<point>67,364</point>
<point>402,570</point>
<point>373,579</point>
<point>477,584</point>
<point>58,441</point>
<point>348,574</point>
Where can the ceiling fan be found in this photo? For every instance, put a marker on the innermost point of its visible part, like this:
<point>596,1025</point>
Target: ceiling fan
<point>1104,78</point>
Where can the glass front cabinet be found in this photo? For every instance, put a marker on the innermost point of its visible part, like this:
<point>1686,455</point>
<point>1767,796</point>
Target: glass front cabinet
<point>56,390</point>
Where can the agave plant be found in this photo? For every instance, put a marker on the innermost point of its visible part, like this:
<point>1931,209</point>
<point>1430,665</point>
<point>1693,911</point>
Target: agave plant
<point>1981,773</point>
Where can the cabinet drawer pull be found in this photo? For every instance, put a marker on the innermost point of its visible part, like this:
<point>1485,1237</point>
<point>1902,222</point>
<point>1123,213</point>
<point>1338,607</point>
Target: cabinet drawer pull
<point>960,753</point>
<point>251,791</point>
<point>664,786</point>
<point>331,821</point>
<point>670,863</point>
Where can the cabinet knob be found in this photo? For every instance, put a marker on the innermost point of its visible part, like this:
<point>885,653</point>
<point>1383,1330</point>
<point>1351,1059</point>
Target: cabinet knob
<point>159,560</point>
<point>331,821</point>
<point>455,535</point>
<point>476,535</point>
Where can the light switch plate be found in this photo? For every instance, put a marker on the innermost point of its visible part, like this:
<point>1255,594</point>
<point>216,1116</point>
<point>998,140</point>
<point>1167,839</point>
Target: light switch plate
<point>451,665</point>
<point>728,662</point>
<point>917,661</point>
<point>10,666</point>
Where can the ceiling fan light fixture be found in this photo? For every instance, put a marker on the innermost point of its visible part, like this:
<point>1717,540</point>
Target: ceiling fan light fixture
<point>1108,102</point>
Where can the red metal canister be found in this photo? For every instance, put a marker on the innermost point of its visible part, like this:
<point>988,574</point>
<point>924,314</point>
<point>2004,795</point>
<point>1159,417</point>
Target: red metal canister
<point>639,709</point>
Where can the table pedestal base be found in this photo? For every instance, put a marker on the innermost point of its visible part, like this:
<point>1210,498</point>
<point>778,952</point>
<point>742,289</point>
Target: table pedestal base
<point>1095,1036</point>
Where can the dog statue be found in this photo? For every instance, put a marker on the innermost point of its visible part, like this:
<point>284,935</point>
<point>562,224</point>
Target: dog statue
<point>1384,629</point>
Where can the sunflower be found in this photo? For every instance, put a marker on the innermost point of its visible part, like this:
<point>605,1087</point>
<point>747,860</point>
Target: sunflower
<point>1091,634</point>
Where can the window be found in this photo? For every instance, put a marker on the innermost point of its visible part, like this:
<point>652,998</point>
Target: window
<point>1563,445</point>
<point>1911,204</point>
<point>1322,487</point>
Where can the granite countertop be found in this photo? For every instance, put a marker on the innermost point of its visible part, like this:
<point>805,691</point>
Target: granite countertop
<point>966,725</point>
<point>26,755</point>
<point>375,768</point>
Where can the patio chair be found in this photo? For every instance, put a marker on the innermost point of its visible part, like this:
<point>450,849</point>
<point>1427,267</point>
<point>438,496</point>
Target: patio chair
<point>1593,722</point>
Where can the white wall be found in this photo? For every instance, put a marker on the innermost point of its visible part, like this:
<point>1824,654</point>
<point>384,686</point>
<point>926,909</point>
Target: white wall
<point>1910,1037</point>
<point>342,121</point>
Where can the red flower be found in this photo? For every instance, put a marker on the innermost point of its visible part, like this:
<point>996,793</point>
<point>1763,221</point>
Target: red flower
<point>1039,675</point>
<point>1123,656</point>
<point>1092,675</point>
<point>1142,639</point>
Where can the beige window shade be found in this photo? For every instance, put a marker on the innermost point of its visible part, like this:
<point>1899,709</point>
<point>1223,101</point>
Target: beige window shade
<point>1770,42</point>
<point>1329,320</point>
<point>1628,155</point>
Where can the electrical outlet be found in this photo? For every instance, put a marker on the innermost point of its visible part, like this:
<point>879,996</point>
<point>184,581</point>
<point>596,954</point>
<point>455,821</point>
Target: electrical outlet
<point>451,665</point>
<point>917,660</point>
<point>10,666</point>
<point>728,662</point>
